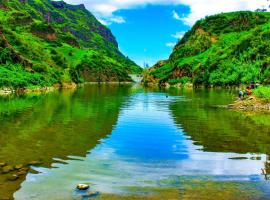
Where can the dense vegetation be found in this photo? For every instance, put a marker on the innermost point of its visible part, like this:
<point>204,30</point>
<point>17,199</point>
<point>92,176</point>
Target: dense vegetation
<point>45,42</point>
<point>221,50</point>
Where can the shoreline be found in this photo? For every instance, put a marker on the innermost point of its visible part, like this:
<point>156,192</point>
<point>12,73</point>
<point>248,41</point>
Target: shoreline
<point>191,85</point>
<point>107,83</point>
<point>5,91</point>
<point>251,103</point>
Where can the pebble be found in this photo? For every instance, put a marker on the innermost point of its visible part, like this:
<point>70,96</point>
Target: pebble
<point>13,177</point>
<point>82,187</point>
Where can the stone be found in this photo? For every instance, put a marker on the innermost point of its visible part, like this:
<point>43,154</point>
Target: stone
<point>35,163</point>
<point>21,173</point>
<point>93,193</point>
<point>32,171</point>
<point>82,187</point>
<point>12,177</point>
<point>3,164</point>
<point>25,169</point>
<point>7,169</point>
<point>20,166</point>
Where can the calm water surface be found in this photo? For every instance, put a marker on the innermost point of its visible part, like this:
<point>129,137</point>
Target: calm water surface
<point>126,141</point>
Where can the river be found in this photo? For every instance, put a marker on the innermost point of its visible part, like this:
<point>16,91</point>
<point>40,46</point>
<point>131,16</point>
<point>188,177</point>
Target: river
<point>130,142</point>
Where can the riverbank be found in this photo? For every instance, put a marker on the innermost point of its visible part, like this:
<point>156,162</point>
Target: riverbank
<point>8,91</point>
<point>191,85</point>
<point>251,103</point>
<point>258,101</point>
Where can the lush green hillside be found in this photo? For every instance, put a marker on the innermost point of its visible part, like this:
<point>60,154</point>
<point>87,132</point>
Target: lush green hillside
<point>224,49</point>
<point>45,42</point>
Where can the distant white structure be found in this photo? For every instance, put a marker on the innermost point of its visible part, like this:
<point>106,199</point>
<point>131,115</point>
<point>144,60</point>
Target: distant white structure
<point>136,78</point>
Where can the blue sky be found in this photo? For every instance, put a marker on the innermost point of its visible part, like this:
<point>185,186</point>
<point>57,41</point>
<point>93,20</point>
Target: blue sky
<point>149,33</point>
<point>147,30</point>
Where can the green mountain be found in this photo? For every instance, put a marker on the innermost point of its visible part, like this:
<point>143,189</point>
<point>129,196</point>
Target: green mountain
<point>220,50</point>
<point>45,42</point>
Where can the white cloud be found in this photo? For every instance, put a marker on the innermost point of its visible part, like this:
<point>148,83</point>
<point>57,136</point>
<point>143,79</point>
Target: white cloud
<point>179,35</point>
<point>111,19</point>
<point>176,15</point>
<point>198,8</point>
<point>170,44</point>
<point>118,19</point>
<point>201,8</point>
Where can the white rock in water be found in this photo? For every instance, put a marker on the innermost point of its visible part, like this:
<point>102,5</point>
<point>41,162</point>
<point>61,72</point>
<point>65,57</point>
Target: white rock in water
<point>82,187</point>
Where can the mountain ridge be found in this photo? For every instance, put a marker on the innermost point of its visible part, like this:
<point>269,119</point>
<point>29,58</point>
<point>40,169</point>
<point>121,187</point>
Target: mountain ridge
<point>51,42</point>
<point>220,50</point>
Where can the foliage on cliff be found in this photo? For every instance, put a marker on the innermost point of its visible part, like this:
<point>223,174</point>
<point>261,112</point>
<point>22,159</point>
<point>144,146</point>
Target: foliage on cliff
<point>45,42</point>
<point>224,49</point>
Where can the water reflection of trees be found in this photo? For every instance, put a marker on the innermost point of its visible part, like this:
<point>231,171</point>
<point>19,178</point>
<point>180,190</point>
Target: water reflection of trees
<point>56,125</point>
<point>222,130</point>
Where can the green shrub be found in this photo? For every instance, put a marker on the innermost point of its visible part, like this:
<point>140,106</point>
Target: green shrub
<point>53,52</point>
<point>41,27</point>
<point>39,68</point>
<point>262,92</point>
<point>15,77</point>
<point>183,80</point>
<point>5,55</point>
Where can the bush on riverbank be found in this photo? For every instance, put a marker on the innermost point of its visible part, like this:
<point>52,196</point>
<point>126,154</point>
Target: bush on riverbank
<point>14,76</point>
<point>263,93</point>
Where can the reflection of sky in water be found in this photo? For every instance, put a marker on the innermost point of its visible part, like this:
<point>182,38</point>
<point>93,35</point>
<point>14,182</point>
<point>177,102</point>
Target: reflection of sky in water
<point>145,148</point>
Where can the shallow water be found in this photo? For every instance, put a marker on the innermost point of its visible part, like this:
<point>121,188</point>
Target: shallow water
<point>130,142</point>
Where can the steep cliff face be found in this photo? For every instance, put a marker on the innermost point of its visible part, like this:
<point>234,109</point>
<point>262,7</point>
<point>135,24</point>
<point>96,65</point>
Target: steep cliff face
<point>224,49</point>
<point>45,42</point>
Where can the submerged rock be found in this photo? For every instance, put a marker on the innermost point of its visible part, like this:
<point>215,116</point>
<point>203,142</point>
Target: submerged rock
<point>82,187</point>
<point>91,194</point>
<point>7,169</point>
<point>12,177</point>
<point>32,171</point>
